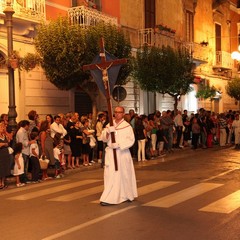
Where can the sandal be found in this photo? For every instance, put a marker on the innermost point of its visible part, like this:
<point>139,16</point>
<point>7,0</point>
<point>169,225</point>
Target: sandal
<point>20,184</point>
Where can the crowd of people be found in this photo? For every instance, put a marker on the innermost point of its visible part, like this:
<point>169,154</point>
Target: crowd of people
<point>63,141</point>
<point>67,141</point>
<point>160,133</point>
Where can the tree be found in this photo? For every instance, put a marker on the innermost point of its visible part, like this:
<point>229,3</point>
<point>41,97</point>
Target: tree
<point>206,92</point>
<point>65,48</point>
<point>233,89</point>
<point>164,70</point>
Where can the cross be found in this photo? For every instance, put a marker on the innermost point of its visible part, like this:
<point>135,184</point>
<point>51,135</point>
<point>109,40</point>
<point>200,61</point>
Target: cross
<point>103,66</point>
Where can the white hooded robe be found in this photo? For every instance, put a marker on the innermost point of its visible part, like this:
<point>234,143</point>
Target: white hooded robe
<point>119,186</point>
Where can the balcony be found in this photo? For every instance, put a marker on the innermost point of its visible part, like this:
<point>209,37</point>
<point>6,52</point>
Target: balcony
<point>199,52</point>
<point>149,37</point>
<point>30,10</point>
<point>86,16</point>
<point>223,60</point>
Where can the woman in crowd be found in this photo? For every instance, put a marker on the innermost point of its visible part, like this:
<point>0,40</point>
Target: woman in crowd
<point>5,158</point>
<point>86,149</point>
<point>33,119</point>
<point>140,135</point>
<point>75,145</point>
<point>46,145</point>
<point>99,129</point>
<point>50,119</point>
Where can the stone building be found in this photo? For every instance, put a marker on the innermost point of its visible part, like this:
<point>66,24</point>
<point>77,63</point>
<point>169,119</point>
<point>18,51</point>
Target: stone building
<point>209,29</point>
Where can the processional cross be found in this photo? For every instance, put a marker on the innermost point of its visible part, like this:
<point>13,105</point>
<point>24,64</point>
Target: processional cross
<point>104,65</point>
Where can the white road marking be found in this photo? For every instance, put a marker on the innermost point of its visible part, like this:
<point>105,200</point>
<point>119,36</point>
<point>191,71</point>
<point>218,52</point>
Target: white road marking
<point>183,195</point>
<point>86,224</point>
<point>30,186</point>
<point>151,188</point>
<point>224,205</point>
<point>154,187</point>
<point>52,190</point>
<point>219,175</point>
<point>78,195</point>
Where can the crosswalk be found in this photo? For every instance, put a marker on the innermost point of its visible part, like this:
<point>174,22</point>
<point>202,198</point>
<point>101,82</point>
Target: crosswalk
<point>58,191</point>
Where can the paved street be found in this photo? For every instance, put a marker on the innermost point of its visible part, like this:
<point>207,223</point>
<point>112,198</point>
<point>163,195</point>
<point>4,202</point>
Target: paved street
<point>186,195</point>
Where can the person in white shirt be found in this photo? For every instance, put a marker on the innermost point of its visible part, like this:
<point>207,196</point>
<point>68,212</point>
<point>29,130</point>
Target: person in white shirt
<point>57,127</point>
<point>179,127</point>
<point>22,137</point>
<point>236,130</point>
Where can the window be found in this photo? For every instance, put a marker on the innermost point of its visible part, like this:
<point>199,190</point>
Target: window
<point>150,14</point>
<point>238,3</point>
<point>218,33</point>
<point>189,27</point>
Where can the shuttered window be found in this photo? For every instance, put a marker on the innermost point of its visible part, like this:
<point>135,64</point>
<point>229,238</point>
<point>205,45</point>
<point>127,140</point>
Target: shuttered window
<point>150,12</point>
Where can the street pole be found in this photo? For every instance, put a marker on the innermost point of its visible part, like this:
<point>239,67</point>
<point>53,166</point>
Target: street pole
<point>12,114</point>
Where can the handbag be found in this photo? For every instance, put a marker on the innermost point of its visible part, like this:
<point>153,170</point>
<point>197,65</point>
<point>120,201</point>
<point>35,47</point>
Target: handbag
<point>43,162</point>
<point>92,142</point>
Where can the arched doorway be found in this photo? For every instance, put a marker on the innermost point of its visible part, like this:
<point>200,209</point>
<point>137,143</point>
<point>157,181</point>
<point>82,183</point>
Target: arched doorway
<point>4,93</point>
<point>83,103</point>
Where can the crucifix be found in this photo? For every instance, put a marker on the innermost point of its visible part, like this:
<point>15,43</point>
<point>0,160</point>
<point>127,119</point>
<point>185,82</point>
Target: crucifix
<point>104,65</point>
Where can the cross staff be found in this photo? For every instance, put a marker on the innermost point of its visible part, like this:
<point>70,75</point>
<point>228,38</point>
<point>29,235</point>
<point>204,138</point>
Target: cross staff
<point>103,66</point>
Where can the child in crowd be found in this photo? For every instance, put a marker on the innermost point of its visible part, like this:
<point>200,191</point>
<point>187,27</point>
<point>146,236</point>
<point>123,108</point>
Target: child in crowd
<point>19,164</point>
<point>34,157</point>
<point>58,156</point>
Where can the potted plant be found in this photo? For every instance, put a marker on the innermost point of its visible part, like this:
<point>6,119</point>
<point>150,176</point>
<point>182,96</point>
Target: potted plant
<point>14,60</point>
<point>30,61</point>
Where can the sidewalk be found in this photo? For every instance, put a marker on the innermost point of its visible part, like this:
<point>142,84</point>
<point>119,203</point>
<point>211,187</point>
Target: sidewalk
<point>173,156</point>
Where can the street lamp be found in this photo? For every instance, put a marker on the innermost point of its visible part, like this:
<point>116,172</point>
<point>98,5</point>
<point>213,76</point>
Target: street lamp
<point>12,114</point>
<point>236,54</point>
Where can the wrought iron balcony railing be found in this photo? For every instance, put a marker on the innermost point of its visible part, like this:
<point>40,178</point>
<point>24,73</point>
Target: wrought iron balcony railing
<point>86,16</point>
<point>27,9</point>
<point>151,37</point>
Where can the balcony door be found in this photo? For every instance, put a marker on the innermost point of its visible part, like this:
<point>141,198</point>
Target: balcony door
<point>150,13</point>
<point>218,35</point>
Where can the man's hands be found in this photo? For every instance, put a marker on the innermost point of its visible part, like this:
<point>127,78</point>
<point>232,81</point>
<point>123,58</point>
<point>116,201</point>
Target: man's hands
<point>111,129</point>
<point>114,145</point>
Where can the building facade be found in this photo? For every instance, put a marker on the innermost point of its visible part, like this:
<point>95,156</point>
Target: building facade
<point>208,29</point>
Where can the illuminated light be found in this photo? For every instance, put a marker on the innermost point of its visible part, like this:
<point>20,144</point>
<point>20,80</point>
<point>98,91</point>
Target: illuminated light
<point>234,55</point>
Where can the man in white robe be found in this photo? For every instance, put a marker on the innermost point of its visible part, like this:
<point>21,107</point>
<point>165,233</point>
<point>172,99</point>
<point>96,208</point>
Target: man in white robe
<point>119,186</point>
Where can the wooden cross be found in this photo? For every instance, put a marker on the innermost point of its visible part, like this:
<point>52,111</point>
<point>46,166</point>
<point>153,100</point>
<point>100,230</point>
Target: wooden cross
<point>103,66</point>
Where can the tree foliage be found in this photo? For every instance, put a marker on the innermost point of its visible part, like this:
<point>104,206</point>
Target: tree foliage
<point>164,70</point>
<point>233,88</point>
<point>65,48</point>
<point>206,92</point>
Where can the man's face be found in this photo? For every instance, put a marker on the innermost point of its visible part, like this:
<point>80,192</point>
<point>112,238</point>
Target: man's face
<point>119,113</point>
<point>57,120</point>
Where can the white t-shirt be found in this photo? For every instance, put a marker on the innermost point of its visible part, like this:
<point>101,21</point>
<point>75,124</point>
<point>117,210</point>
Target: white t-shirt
<point>35,147</point>
<point>56,153</point>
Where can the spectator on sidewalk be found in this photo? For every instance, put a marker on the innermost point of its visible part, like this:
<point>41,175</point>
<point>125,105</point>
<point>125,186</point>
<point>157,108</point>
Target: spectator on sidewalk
<point>23,137</point>
<point>57,127</point>
<point>18,169</point>
<point>5,158</point>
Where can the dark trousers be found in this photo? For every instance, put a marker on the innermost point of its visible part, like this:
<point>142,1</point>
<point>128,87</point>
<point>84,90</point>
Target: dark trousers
<point>35,168</point>
<point>195,137</point>
<point>179,135</point>
<point>23,177</point>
